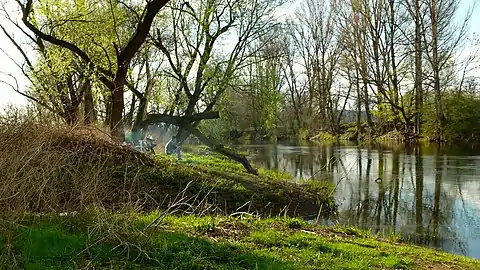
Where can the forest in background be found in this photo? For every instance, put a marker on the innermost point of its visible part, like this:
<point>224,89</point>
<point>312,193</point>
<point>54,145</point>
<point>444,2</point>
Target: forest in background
<point>272,68</point>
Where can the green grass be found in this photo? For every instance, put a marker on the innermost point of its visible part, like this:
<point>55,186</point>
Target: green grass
<point>270,192</point>
<point>101,240</point>
<point>325,137</point>
<point>124,233</point>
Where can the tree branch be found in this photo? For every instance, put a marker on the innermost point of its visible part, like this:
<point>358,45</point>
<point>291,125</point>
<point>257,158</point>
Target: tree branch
<point>141,32</point>
<point>27,9</point>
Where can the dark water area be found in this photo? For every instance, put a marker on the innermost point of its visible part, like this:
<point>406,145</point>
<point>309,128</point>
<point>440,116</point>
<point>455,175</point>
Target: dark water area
<point>429,194</point>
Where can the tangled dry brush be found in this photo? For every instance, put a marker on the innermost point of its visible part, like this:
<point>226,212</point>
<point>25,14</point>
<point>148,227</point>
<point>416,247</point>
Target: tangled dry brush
<point>45,168</point>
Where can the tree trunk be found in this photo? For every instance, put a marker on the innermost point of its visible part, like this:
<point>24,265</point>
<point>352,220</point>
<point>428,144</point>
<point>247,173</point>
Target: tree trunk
<point>395,84</point>
<point>418,68</point>
<point>376,39</point>
<point>359,106</point>
<point>143,106</point>
<point>117,105</point>
<point>90,114</point>
<point>364,74</point>
<point>436,71</point>
<point>142,111</point>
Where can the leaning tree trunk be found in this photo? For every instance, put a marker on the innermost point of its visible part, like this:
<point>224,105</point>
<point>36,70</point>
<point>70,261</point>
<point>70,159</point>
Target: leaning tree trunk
<point>185,124</point>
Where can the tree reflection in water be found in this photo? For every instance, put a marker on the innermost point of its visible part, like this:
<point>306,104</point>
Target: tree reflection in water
<point>428,194</point>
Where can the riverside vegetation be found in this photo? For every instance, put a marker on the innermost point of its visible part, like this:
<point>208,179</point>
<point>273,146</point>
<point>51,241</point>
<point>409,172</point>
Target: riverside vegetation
<point>117,64</point>
<point>97,204</point>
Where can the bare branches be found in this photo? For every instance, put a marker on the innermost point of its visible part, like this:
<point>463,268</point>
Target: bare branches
<point>19,48</point>
<point>15,87</point>
<point>141,33</point>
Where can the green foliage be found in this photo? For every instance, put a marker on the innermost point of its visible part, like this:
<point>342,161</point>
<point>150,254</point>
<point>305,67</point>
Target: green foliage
<point>258,104</point>
<point>303,134</point>
<point>323,136</point>
<point>216,129</point>
<point>462,117</point>
<point>93,27</point>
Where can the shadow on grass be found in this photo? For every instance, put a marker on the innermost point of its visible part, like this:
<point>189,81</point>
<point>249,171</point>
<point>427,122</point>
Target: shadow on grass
<point>52,248</point>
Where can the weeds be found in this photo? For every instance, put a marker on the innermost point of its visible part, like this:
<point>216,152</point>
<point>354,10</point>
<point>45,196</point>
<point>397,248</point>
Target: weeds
<point>46,168</point>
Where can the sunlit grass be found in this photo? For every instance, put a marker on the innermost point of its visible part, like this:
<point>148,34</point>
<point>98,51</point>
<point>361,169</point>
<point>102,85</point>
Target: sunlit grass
<point>100,239</point>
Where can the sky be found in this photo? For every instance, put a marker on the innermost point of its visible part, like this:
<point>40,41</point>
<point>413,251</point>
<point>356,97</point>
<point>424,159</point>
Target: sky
<point>9,52</point>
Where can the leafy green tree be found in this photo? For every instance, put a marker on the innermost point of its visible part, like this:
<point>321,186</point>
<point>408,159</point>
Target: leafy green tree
<point>462,120</point>
<point>60,23</point>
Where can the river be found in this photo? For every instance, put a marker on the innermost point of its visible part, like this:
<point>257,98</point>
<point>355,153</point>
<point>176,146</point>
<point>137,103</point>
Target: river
<point>429,195</point>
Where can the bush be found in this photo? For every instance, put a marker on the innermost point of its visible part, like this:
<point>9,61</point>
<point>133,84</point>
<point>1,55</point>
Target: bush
<point>215,129</point>
<point>462,118</point>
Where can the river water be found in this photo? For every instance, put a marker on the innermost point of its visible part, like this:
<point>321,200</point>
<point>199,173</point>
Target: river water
<point>429,195</point>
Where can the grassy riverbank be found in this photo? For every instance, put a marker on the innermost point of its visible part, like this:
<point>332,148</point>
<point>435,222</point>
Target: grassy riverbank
<point>130,211</point>
<point>96,238</point>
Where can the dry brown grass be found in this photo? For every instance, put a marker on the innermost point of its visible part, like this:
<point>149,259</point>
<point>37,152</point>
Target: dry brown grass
<point>47,167</point>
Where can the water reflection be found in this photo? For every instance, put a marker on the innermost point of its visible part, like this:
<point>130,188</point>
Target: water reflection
<point>429,194</point>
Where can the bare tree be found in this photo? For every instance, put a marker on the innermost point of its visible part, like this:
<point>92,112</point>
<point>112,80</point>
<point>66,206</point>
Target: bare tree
<point>442,38</point>
<point>296,89</point>
<point>192,46</point>
<point>314,35</point>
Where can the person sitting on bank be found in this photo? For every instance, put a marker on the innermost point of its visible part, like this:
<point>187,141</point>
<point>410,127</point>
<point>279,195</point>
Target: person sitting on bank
<point>172,147</point>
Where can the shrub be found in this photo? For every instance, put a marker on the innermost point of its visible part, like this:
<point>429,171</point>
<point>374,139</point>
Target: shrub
<point>462,118</point>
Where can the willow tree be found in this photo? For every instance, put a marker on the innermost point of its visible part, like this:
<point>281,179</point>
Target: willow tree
<point>54,22</point>
<point>59,81</point>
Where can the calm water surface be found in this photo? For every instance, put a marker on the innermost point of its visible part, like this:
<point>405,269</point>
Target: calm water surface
<point>429,194</point>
